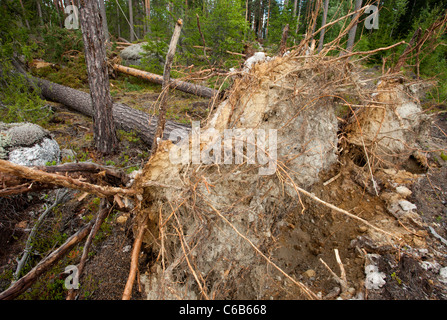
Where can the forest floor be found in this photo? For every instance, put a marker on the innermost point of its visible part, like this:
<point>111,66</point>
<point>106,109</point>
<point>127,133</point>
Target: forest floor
<point>305,238</point>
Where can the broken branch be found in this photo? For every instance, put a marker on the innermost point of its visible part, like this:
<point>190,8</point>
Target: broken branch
<point>166,84</point>
<point>101,216</point>
<point>29,245</point>
<point>26,281</point>
<point>56,179</point>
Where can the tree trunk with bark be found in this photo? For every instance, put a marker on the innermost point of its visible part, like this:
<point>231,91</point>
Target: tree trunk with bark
<point>132,32</point>
<point>353,31</point>
<point>298,18</point>
<point>39,12</point>
<point>283,45</point>
<point>323,23</point>
<point>104,20</point>
<point>147,6</point>
<point>105,137</point>
<point>125,117</point>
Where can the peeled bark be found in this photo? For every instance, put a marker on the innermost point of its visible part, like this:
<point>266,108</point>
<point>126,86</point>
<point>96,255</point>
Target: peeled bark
<point>161,121</point>
<point>125,117</point>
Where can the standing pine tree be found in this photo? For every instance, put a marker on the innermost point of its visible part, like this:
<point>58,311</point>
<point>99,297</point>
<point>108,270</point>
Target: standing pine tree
<point>105,137</point>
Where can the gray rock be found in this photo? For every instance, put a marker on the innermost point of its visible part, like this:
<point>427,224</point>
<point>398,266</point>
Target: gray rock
<point>37,155</point>
<point>443,275</point>
<point>27,144</point>
<point>68,154</point>
<point>133,54</point>
<point>26,134</point>
<point>407,206</point>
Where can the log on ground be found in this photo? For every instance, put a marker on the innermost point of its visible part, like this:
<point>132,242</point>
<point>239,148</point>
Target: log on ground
<point>125,117</point>
<point>187,87</point>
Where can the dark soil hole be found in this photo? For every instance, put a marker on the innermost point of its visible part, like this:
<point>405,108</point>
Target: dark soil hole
<point>414,166</point>
<point>358,156</point>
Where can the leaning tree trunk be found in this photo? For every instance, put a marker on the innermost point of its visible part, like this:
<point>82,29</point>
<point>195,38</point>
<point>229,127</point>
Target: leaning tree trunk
<point>161,122</point>
<point>105,137</point>
<point>125,117</point>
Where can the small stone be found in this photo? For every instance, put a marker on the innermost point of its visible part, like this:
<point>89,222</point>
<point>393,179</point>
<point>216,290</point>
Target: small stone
<point>310,273</point>
<point>443,275</point>
<point>362,229</point>
<point>407,206</point>
<point>22,225</point>
<point>374,278</point>
<point>121,219</point>
<point>127,248</point>
<point>403,191</point>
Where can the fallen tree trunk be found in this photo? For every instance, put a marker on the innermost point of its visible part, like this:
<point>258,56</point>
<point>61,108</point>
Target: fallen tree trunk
<point>125,117</point>
<point>187,87</point>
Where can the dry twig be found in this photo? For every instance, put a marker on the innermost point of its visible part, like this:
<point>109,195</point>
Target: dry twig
<point>103,212</point>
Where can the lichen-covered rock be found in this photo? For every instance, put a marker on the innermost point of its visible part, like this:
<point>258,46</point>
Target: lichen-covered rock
<point>132,54</point>
<point>27,144</point>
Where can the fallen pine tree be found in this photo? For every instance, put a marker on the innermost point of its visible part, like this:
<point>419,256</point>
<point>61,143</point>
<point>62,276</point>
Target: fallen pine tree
<point>125,117</point>
<point>187,87</point>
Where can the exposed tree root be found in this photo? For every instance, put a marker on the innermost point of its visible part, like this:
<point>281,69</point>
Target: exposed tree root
<point>134,262</point>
